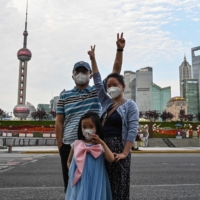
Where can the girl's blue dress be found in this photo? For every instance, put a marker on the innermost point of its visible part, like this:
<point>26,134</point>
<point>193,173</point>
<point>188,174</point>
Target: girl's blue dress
<point>93,184</point>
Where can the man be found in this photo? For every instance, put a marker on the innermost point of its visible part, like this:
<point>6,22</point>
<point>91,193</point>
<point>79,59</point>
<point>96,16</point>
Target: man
<point>76,102</point>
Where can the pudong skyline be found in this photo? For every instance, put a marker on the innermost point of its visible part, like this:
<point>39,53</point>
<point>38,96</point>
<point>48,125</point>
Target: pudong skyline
<point>159,41</point>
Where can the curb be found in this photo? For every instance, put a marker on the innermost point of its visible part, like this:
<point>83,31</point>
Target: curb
<point>166,151</point>
<point>40,152</point>
<point>133,152</point>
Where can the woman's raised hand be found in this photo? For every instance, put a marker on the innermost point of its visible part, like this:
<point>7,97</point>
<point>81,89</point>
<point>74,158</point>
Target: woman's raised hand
<point>120,41</point>
<point>91,53</point>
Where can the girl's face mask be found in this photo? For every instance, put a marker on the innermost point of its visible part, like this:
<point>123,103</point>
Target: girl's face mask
<point>87,133</point>
<point>114,92</point>
<point>81,78</point>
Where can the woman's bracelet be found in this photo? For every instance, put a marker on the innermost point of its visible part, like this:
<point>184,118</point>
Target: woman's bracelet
<point>120,49</point>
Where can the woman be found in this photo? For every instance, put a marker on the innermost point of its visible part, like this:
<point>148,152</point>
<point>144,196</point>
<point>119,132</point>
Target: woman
<point>120,123</point>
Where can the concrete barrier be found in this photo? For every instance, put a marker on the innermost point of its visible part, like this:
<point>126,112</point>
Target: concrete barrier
<point>29,135</point>
<point>22,134</point>
<point>46,135</point>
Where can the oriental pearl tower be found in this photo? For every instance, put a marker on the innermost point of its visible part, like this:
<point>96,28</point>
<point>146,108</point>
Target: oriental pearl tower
<point>24,55</point>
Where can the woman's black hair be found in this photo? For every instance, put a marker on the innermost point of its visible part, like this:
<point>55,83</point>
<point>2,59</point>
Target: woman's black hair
<point>97,122</point>
<point>119,77</point>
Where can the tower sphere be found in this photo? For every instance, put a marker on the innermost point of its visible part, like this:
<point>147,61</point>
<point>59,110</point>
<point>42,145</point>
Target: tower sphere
<point>21,111</point>
<point>24,54</point>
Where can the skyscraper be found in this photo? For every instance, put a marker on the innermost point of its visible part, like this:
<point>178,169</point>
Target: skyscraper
<point>185,72</point>
<point>144,80</point>
<point>147,95</point>
<point>130,82</point>
<point>24,55</point>
<point>195,62</point>
<point>191,95</point>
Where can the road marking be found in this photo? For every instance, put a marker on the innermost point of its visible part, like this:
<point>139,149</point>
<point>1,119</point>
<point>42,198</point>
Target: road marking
<point>166,185</point>
<point>28,188</point>
<point>13,163</point>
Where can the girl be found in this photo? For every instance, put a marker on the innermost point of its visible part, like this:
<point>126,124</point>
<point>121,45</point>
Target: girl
<point>120,123</point>
<point>88,179</point>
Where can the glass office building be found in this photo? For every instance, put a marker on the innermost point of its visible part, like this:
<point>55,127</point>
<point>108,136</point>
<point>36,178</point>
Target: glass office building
<point>129,79</point>
<point>45,107</point>
<point>195,52</point>
<point>160,97</point>
<point>191,95</point>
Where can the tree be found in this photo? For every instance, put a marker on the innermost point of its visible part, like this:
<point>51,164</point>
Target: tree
<point>166,115</point>
<point>152,115</point>
<point>2,113</point>
<point>189,117</point>
<point>39,114</point>
<point>53,113</point>
<point>198,116</point>
<point>182,115</point>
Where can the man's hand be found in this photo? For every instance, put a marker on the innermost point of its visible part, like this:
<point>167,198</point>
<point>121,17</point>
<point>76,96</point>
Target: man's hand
<point>120,41</point>
<point>59,145</point>
<point>91,53</point>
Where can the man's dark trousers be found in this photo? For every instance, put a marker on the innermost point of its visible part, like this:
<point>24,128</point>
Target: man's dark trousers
<point>64,154</point>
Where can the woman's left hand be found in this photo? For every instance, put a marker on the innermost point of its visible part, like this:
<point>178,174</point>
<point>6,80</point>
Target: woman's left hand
<point>119,156</point>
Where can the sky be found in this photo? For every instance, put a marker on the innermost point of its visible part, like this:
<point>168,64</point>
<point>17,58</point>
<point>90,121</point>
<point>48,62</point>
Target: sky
<point>158,33</point>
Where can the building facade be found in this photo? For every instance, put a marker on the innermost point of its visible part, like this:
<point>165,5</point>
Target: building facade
<point>191,95</point>
<point>147,95</point>
<point>160,97</point>
<point>45,107</point>
<point>53,103</point>
<point>144,80</point>
<point>195,52</point>
<point>174,105</point>
<point>185,72</point>
<point>130,82</point>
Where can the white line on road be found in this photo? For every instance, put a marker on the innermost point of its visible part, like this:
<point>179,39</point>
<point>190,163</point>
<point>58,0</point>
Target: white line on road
<point>165,185</point>
<point>44,187</point>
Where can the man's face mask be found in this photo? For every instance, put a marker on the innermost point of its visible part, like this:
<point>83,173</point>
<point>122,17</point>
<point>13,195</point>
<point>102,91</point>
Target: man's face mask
<point>114,92</point>
<point>81,78</point>
<point>87,133</point>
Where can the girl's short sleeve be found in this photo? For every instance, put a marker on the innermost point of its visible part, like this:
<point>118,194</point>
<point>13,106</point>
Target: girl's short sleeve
<point>102,149</point>
<point>72,145</point>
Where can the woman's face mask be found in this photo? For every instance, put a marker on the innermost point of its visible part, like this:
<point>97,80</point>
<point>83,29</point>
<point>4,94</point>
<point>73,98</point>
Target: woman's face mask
<point>81,78</point>
<point>87,133</point>
<point>114,92</point>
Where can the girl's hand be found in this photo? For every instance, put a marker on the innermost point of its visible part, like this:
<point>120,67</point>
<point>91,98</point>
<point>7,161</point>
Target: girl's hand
<point>91,53</point>
<point>120,41</point>
<point>96,139</point>
<point>119,156</point>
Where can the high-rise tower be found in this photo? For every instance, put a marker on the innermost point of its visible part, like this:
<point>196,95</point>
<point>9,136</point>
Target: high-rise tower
<point>196,62</point>
<point>24,55</point>
<point>185,72</point>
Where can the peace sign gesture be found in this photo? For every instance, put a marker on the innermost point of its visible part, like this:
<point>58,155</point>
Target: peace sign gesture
<point>91,53</point>
<point>120,41</point>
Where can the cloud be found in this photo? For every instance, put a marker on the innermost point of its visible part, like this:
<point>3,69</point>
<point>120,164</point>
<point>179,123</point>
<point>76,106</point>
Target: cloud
<point>61,32</point>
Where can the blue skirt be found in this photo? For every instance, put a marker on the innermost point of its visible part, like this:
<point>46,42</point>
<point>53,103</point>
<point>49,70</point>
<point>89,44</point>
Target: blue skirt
<point>93,184</point>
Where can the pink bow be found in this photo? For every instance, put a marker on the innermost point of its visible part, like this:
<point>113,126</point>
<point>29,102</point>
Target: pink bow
<point>80,151</point>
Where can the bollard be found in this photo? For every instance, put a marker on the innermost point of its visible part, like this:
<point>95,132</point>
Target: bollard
<point>9,149</point>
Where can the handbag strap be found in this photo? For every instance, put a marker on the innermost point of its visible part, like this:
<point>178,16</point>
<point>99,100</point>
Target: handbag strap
<point>113,108</point>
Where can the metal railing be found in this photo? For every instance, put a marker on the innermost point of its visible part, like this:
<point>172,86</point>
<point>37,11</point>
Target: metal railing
<point>27,141</point>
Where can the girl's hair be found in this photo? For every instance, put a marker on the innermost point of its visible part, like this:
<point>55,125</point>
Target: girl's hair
<point>96,120</point>
<point>119,77</point>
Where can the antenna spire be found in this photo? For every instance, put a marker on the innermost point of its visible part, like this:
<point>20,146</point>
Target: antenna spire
<point>25,31</point>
